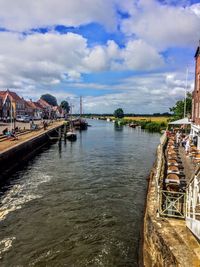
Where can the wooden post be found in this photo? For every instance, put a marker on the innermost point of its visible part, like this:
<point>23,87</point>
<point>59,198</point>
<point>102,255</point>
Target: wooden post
<point>60,133</point>
<point>65,129</point>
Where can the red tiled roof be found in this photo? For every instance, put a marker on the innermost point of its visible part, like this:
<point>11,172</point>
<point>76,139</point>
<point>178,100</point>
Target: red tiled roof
<point>43,103</point>
<point>30,104</point>
<point>34,105</point>
<point>12,95</point>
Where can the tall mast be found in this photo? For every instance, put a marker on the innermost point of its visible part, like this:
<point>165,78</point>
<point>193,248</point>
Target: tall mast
<point>81,106</point>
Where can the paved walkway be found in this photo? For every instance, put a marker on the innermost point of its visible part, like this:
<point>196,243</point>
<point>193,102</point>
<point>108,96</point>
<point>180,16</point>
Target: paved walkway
<point>8,143</point>
<point>189,166</point>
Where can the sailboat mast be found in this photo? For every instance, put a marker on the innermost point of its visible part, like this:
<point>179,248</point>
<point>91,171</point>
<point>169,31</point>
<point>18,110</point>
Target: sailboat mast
<point>81,106</point>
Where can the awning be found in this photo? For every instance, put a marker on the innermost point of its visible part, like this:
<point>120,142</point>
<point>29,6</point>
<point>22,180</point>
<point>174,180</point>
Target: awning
<point>181,121</point>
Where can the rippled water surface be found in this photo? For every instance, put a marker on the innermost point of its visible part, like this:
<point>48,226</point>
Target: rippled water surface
<point>79,204</point>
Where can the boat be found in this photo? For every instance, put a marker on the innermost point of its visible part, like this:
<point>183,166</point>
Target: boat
<point>71,136</point>
<point>80,124</point>
<point>133,125</point>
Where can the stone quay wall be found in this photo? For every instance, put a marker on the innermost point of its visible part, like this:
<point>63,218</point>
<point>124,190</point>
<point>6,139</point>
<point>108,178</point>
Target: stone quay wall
<point>20,153</point>
<point>167,242</point>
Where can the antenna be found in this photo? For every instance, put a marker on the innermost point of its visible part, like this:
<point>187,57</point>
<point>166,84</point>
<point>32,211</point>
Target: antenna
<point>186,85</point>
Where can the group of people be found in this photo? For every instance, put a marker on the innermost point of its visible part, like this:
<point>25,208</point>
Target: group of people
<point>10,133</point>
<point>184,141</point>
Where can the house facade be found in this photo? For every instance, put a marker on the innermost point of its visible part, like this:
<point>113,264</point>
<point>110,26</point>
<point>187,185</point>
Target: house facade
<point>12,105</point>
<point>47,109</point>
<point>195,126</point>
<point>34,110</point>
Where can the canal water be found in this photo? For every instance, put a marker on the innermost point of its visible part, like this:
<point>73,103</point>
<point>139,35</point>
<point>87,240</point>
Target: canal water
<point>79,204</point>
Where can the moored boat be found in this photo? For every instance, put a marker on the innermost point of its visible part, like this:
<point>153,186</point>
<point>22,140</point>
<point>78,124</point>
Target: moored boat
<point>133,125</point>
<point>71,136</point>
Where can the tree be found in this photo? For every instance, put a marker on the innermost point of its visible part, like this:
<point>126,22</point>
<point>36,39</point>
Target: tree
<point>178,109</point>
<point>50,99</point>
<point>119,113</point>
<point>65,106</point>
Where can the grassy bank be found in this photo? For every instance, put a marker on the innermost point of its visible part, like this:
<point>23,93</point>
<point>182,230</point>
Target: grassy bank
<point>154,124</point>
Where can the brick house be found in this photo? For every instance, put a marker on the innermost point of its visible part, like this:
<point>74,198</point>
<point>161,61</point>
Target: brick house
<point>34,109</point>
<point>47,108</point>
<point>195,126</point>
<point>12,103</point>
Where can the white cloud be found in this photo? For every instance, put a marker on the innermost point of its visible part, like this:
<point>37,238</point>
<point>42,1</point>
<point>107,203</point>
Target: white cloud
<point>51,58</point>
<point>163,26</point>
<point>138,94</point>
<point>141,56</point>
<point>23,15</point>
<point>38,63</point>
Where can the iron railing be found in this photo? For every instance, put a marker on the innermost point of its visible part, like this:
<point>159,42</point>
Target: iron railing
<point>193,205</point>
<point>172,204</point>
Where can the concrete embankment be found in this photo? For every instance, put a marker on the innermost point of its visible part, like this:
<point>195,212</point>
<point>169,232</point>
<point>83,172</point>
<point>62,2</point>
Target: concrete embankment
<point>20,150</point>
<point>166,241</point>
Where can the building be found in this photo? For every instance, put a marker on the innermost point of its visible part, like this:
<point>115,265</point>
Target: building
<point>57,112</point>
<point>34,110</point>
<point>195,126</point>
<point>47,109</point>
<point>12,104</point>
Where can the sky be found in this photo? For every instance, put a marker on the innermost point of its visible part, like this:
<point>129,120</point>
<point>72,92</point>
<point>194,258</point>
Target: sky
<point>131,54</point>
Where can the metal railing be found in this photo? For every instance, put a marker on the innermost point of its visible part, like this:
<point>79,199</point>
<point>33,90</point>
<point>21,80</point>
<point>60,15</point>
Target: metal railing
<point>172,204</point>
<point>193,205</point>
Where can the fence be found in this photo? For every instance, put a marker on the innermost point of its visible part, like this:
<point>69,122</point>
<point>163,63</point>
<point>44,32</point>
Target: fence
<point>172,204</point>
<point>193,205</point>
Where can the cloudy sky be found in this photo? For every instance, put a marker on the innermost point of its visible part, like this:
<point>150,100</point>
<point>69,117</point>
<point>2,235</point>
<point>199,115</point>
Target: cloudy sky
<point>115,53</point>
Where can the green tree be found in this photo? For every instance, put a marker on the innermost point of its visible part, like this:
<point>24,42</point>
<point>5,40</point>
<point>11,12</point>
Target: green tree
<point>50,99</point>
<point>65,106</point>
<point>178,109</point>
<point>119,113</point>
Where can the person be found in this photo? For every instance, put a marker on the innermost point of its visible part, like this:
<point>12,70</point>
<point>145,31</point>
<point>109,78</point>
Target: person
<point>187,146</point>
<point>45,125</point>
<point>184,141</point>
<point>5,131</point>
<point>178,138</point>
<point>194,139</point>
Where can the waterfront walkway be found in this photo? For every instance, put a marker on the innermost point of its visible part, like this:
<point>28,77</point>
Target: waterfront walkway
<point>9,143</point>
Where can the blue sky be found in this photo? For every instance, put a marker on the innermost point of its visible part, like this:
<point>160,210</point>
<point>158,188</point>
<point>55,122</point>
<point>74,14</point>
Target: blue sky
<point>131,54</point>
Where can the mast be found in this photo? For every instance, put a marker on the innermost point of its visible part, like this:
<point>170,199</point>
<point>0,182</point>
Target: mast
<point>11,115</point>
<point>81,106</point>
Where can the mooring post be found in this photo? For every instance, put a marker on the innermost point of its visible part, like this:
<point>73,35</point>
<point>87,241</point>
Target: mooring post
<point>65,129</point>
<point>60,133</point>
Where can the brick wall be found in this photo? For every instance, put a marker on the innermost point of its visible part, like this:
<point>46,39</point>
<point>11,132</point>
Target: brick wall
<point>196,92</point>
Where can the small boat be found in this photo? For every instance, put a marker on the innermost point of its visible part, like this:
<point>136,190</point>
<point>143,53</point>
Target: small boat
<point>133,125</point>
<point>71,136</point>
